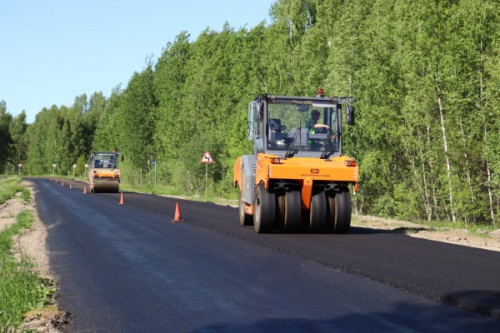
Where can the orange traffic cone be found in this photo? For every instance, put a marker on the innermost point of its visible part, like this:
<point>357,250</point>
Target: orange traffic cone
<point>85,190</point>
<point>177,216</point>
<point>122,201</point>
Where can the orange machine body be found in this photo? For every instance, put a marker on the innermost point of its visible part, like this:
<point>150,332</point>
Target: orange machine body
<point>306,171</point>
<point>297,177</point>
<point>104,174</point>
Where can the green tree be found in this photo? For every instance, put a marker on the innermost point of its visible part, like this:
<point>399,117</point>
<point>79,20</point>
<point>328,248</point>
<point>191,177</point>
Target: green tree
<point>5,137</point>
<point>107,132</point>
<point>19,146</point>
<point>136,122</point>
<point>424,76</point>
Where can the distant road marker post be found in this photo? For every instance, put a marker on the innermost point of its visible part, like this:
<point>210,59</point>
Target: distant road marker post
<point>206,159</point>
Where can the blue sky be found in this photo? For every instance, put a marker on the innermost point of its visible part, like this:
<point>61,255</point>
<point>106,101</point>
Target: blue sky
<point>54,50</point>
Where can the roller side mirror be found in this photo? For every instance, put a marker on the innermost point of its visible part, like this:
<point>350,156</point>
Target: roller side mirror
<point>350,115</point>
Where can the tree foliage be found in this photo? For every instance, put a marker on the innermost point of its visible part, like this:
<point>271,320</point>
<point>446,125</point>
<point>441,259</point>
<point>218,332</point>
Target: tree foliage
<point>425,76</point>
<point>5,136</point>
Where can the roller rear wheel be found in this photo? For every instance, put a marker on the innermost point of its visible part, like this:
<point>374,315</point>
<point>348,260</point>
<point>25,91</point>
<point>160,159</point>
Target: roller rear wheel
<point>318,213</point>
<point>340,211</point>
<point>245,219</point>
<point>264,210</point>
<point>292,211</point>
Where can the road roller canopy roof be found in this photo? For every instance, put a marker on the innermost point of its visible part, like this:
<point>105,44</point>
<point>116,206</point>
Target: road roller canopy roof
<point>297,126</point>
<point>105,160</point>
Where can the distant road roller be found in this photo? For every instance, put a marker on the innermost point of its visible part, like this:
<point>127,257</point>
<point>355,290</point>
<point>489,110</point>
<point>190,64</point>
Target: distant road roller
<point>297,179</point>
<point>104,174</point>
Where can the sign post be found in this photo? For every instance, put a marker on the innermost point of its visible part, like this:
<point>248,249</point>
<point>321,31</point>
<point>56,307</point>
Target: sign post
<point>54,168</point>
<point>206,159</point>
<point>19,168</point>
<point>154,163</point>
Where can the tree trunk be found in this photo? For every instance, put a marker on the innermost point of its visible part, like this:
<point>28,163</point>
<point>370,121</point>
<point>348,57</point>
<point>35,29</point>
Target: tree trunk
<point>428,208</point>
<point>423,187</point>
<point>467,168</point>
<point>432,185</point>
<point>481,103</point>
<point>490,195</point>
<point>445,147</point>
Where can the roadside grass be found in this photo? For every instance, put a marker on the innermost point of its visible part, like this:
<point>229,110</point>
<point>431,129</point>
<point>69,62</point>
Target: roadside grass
<point>21,289</point>
<point>157,190</point>
<point>9,186</point>
<point>173,192</point>
<point>477,229</point>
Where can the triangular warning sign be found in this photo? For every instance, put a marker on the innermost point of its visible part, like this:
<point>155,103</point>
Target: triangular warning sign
<point>207,158</point>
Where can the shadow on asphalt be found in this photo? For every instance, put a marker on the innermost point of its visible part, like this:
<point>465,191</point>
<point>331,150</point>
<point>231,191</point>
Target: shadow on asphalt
<point>401,230</point>
<point>402,316</point>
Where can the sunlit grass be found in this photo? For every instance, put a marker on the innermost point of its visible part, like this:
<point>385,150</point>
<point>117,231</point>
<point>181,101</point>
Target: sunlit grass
<point>174,192</point>
<point>473,228</point>
<point>21,289</point>
<point>9,186</point>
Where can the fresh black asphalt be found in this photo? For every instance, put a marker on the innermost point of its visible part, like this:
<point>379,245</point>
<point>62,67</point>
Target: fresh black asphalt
<point>129,268</point>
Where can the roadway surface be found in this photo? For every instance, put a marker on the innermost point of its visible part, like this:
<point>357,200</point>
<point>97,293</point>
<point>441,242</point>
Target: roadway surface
<point>129,268</point>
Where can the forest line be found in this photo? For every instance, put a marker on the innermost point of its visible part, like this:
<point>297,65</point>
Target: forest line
<point>425,77</point>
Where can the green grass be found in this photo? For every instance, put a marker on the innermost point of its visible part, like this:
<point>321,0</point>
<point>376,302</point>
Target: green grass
<point>21,289</point>
<point>473,228</point>
<point>9,186</point>
<point>476,229</point>
<point>158,190</point>
<point>170,191</point>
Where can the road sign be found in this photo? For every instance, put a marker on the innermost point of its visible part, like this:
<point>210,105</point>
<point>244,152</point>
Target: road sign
<point>207,158</point>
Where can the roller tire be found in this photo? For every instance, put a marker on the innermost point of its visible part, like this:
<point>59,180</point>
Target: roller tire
<point>279,221</point>
<point>318,213</point>
<point>340,211</point>
<point>264,210</point>
<point>292,212</point>
<point>245,219</point>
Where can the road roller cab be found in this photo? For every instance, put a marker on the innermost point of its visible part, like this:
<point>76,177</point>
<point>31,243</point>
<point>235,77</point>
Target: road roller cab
<point>297,178</point>
<point>104,173</point>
